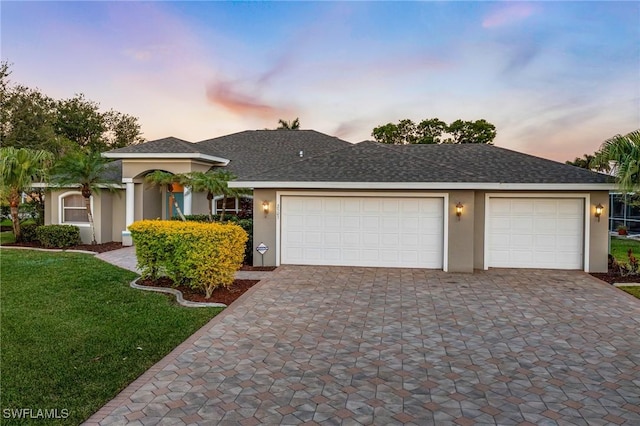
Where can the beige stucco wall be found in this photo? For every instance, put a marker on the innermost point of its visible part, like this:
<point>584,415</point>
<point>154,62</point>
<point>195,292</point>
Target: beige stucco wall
<point>54,217</point>
<point>117,215</point>
<point>461,232</point>
<point>199,203</point>
<point>465,236</point>
<point>151,201</point>
<point>264,227</point>
<point>599,235</point>
<point>135,168</point>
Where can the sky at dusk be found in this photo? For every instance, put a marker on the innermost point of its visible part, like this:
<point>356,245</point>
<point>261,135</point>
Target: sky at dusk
<point>556,78</point>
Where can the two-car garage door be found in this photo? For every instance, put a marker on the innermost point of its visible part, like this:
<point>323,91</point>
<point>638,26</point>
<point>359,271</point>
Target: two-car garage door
<point>362,231</point>
<point>535,233</point>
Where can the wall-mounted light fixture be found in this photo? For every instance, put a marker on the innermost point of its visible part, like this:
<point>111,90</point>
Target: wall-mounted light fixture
<point>265,208</point>
<point>599,210</point>
<point>459,208</point>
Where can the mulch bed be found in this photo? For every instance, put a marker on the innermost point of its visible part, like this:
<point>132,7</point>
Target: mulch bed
<point>219,295</point>
<point>257,268</point>
<point>98,248</point>
<point>612,278</point>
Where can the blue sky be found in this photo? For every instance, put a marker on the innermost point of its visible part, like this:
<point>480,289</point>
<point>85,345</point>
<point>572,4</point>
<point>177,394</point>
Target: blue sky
<point>556,78</point>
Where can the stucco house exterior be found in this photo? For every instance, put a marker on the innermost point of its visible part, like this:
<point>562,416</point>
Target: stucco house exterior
<point>318,200</point>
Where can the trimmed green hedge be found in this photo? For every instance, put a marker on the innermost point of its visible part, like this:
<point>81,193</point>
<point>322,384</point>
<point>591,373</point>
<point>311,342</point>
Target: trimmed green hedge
<point>201,255</point>
<point>28,232</point>
<point>58,236</point>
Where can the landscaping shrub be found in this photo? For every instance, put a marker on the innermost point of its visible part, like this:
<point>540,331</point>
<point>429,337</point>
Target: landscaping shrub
<point>244,223</point>
<point>28,232</point>
<point>58,236</point>
<point>201,255</point>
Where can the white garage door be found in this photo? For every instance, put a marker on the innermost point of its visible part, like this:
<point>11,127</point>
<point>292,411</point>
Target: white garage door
<point>362,231</point>
<point>535,233</point>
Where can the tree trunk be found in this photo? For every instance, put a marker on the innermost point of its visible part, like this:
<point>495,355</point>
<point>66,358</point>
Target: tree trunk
<point>210,198</point>
<point>15,219</point>
<point>87,204</point>
<point>224,207</point>
<point>172,199</point>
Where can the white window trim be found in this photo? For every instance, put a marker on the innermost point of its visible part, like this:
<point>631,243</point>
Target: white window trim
<point>586,232</point>
<point>443,195</point>
<point>61,210</point>
<point>220,197</point>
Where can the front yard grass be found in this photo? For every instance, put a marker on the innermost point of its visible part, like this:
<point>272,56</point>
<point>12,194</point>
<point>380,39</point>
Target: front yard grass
<point>620,247</point>
<point>74,333</point>
<point>7,237</point>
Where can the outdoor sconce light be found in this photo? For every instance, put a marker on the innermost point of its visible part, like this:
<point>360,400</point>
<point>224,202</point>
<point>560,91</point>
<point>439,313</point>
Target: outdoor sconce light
<point>459,207</point>
<point>265,208</point>
<point>599,209</point>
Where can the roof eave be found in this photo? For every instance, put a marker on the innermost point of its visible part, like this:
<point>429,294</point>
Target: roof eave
<point>490,186</point>
<point>167,155</point>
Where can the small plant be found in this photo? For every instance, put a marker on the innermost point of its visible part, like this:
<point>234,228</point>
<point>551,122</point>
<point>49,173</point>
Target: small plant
<point>622,230</point>
<point>58,236</point>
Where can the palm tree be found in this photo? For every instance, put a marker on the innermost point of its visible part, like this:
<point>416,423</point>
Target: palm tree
<point>86,169</point>
<point>215,183</point>
<point>208,182</point>
<point>289,125</point>
<point>624,152</point>
<point>160,178</point>
<point>19,169</point>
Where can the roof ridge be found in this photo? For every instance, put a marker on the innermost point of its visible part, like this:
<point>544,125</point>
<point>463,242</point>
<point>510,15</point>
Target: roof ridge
<point>299,161</point>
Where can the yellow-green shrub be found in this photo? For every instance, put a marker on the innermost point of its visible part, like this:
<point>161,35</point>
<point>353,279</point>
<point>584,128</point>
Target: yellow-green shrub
<point>200,255</point>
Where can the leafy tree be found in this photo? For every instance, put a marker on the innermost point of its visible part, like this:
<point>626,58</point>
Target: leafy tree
<point>430,131</point>
<point>86,169</point>
<point>435,131</point>
<point>288,125</point>
<point>31,119</point>
<point>160,178</point>
<point>20,168</point>
<point>624,152</point>
<point>479,131</point>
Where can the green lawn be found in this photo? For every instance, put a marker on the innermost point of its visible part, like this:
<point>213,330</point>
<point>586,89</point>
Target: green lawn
<point>6,237</point>
<point>74,333</point>
<point>620,246</point>
<point>633,290</point>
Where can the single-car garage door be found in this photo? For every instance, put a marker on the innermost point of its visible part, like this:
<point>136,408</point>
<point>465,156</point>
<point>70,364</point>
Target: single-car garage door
<point>362,231</point>
<point>535,233</point>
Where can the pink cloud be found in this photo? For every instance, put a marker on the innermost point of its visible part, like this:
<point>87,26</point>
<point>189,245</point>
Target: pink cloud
<point>230,97</point>
<point>507,14</point>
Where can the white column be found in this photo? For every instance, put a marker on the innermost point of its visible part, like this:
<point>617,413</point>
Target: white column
<point>129,201</point>
<point>187,201</point>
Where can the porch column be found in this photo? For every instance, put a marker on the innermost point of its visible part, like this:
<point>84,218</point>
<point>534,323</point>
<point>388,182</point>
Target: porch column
<point>187,201</point>
<point>129,210</point>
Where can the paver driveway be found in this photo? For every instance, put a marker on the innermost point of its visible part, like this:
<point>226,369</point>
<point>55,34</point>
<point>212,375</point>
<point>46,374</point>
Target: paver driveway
<point>337,345</point>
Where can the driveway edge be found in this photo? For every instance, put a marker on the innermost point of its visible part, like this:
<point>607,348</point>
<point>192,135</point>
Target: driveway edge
<point>148,375</point>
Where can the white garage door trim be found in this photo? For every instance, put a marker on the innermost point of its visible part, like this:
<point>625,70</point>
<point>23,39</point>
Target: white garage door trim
<point>443,196</point>
<point>586,230</point>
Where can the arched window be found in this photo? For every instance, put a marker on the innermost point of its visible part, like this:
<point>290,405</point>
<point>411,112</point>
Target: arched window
<point>72,208</point>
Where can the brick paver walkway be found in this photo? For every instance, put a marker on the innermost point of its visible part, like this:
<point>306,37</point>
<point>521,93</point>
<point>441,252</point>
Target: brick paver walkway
<point>381,346</point>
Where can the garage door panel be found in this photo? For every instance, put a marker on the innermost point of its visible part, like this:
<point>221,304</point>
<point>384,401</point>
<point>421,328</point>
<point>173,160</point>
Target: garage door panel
<point>535,233</point>
<point>362,231</point>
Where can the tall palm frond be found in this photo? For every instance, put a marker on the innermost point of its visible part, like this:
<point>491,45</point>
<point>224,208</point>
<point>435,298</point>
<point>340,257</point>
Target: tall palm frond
<point>19,169</point>
<point>624,152</point>
<point>161,178</point>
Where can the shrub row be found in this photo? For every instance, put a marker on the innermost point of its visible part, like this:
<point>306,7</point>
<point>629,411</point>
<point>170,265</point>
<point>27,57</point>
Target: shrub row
<point>202,256</point>
<point>52,236</point>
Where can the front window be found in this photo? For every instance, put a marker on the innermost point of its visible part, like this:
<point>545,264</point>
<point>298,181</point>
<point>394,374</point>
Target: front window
<point>74,209</point>
<point>232,205</point>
